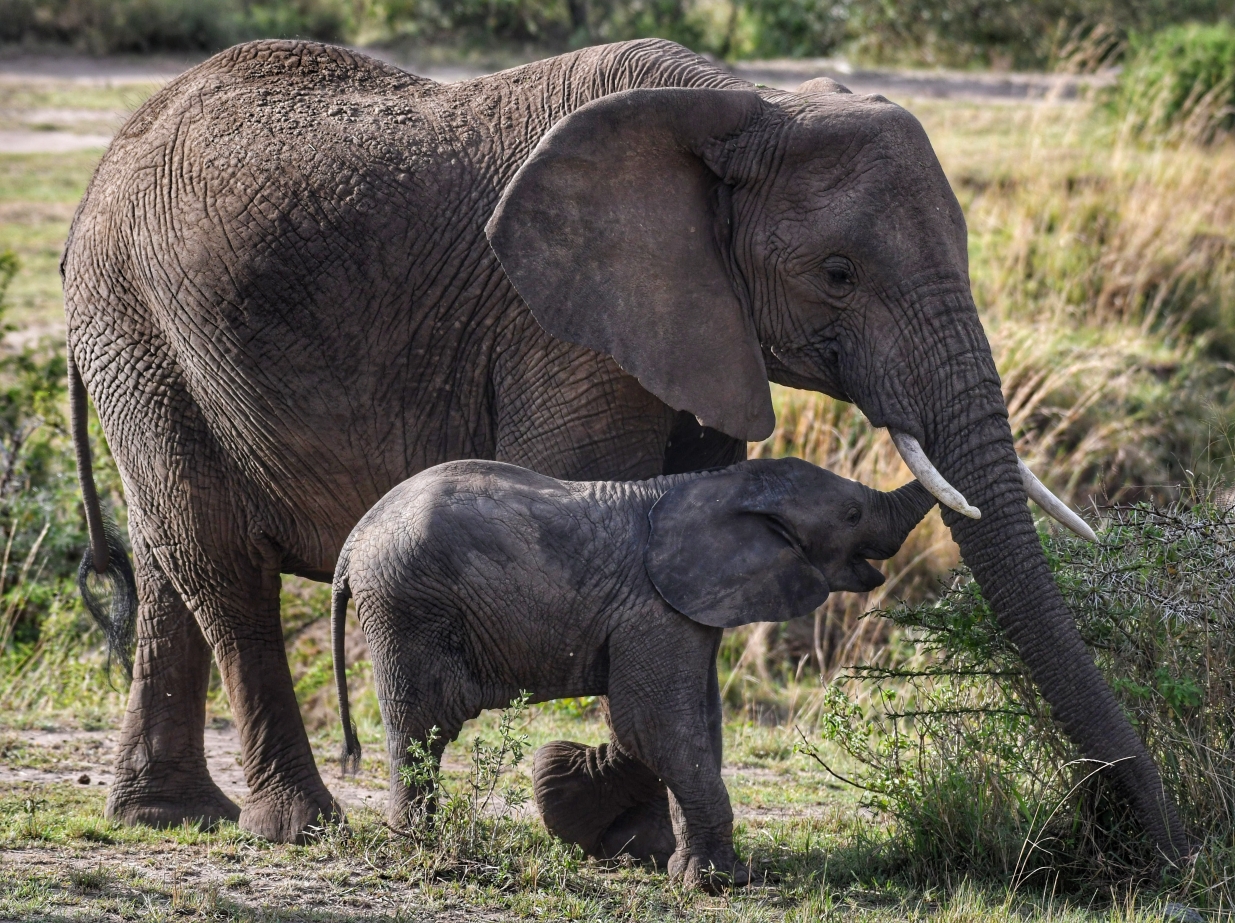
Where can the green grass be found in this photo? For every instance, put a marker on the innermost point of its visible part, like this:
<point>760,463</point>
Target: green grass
<point>45,178</point>
<point>119,97</point>
<point>64,860</point>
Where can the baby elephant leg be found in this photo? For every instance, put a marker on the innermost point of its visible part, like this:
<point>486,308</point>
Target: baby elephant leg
<point>418,728</point>
<point>604,800</point>
<point>673,725</point>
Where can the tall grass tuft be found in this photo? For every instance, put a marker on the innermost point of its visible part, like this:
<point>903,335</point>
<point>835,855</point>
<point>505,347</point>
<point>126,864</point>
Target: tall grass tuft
<point>953,741</point>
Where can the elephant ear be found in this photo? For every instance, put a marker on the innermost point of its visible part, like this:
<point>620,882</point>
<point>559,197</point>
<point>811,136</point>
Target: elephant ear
<point>610,232</point>
<point>718,555</point>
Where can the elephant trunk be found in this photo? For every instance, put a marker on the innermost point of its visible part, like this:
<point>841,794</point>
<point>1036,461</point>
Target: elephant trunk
<point>904,508</point>
<point>973,448</point>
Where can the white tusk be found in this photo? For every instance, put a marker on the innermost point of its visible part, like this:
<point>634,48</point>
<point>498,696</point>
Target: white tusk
<point>932,480</point>
<point>1054,507</point>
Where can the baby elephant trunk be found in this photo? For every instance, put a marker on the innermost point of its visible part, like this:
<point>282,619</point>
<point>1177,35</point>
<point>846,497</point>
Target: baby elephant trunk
<point>350,757</point>
<point>904,508</point>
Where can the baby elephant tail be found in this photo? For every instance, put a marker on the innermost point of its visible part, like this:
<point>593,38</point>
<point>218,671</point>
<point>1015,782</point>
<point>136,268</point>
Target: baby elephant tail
<point>338,614</point>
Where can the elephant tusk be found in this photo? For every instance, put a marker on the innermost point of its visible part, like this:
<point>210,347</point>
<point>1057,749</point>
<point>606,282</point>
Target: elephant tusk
<point>930,478</point>
<point>1054,507</point>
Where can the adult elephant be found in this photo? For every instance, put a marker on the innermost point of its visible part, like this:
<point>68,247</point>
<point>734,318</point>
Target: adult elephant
<point>300,275</point>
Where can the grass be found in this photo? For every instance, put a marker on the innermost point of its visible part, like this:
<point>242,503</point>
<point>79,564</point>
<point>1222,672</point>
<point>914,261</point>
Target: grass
<point>1104,270</point>
<point>62,861</point>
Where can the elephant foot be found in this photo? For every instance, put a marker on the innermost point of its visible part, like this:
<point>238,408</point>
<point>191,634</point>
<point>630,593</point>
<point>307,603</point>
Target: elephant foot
<point>713,870</point>
<point>583,793</point>
<point>177,797</point>
<point>644,833</point>
<point>288,815</point>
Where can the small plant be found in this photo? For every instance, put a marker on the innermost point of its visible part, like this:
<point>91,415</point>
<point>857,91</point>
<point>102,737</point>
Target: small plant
<point>92,880</point>
<point>26,824</point>
<point>954,742</point>
<point>460,825</point>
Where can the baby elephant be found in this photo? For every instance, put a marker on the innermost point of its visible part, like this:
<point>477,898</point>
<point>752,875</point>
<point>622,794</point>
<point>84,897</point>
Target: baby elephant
<point>475,580</point>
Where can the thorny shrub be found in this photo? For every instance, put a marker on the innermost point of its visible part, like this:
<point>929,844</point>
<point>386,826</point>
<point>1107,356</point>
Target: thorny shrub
<point>953,741</point>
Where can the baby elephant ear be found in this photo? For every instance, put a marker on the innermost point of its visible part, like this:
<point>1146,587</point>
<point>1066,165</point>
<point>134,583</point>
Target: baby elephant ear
<point>720,560</point>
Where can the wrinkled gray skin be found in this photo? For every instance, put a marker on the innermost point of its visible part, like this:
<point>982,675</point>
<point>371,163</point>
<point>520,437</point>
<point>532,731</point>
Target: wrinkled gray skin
<point>476,580</point>
<point>283,292</point>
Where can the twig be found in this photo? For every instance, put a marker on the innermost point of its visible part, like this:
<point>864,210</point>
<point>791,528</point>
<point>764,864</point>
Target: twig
<point>814,755</point>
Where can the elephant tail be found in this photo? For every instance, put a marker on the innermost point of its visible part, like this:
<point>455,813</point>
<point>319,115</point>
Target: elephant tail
<point>105,556</point>
<point>350,757</point>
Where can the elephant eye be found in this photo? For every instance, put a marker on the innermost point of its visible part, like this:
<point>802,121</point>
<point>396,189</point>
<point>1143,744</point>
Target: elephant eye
<point>839,276</point>
<point>853,516</point>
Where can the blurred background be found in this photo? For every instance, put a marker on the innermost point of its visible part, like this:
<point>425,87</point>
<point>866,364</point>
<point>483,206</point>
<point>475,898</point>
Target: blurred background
<point>1001,34</point>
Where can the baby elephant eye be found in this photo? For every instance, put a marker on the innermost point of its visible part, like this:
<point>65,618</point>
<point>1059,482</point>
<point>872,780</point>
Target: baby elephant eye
<point>853,516</point>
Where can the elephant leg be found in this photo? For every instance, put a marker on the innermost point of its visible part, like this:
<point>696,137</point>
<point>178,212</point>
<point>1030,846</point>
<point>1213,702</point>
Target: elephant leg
<point>694,447</point>
<point>430,725</point>
<point>673,725</point>
<point>161,776</point>
<point>425,691</point>
<point>572,413</point>
<point>239,612</point>
<point>603,800</point>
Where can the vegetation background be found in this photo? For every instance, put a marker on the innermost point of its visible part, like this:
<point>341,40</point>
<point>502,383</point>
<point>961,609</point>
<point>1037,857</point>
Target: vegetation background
<point>884,766</point>
<point>953,33</point>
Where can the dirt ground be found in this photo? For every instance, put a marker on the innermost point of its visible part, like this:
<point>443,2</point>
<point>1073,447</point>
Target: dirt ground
<point>87,758</point>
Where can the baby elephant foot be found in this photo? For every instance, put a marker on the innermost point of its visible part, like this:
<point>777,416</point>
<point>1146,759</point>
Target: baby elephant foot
<point>583,791</point>
<point>644,832</point>
<point>712,871</point>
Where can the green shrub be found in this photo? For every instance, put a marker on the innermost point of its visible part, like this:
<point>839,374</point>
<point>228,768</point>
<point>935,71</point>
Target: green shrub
<point>967,33</point>
<point>954,742</point>
<point>792,29</point>
<point>1181,83</point>
<point>50,653</point>
<point>110,26</point>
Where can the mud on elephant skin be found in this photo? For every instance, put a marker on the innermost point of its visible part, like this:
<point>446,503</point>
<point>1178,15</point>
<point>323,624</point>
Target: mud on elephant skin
<point>300,276</point>
<point>476,581</point>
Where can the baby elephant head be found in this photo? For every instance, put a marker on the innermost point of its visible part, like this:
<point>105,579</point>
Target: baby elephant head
<point>768,540</point>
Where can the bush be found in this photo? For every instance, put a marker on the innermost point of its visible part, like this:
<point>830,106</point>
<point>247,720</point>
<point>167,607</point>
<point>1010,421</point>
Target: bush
<point>965,33</point>
<point>471,21</point>
<point>1181,84</point>
<point>959,33</point>
<point>792,28</point>
<point>955,744</point>
<point>111,26</point>
<point>50,653</point>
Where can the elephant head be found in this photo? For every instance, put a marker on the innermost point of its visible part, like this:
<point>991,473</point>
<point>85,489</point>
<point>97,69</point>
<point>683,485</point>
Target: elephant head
<point>710,240</point>
<point>769,540</point>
